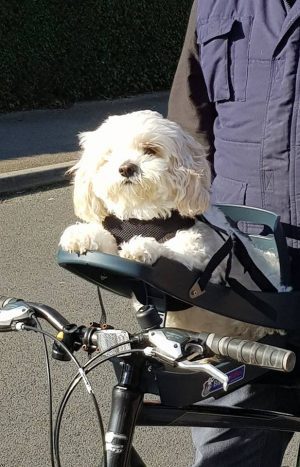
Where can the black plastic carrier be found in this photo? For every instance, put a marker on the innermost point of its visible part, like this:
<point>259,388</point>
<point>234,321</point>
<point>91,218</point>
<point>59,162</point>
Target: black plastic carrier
<point>170,286</point>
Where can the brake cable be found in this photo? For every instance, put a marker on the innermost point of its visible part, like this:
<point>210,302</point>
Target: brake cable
<point>82,375</point>
<point>50,399</point>
<point>74,383</point>
<point>103,318</point>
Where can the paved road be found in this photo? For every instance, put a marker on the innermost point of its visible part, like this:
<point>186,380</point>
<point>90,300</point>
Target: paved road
<point>30,228</point>
<point>43,137</point>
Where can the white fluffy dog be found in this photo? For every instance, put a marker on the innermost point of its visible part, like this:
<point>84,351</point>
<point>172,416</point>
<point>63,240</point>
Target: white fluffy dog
<point>143,166</point>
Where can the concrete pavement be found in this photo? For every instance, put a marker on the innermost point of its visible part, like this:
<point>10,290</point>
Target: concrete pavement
<point>37,147</point>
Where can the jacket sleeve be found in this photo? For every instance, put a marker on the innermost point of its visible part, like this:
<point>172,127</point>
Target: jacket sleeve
<point>188,102</point>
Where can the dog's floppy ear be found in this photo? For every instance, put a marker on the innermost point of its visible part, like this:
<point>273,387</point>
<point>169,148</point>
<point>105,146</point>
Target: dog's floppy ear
<point>193,176</point>
<point>87,206</point>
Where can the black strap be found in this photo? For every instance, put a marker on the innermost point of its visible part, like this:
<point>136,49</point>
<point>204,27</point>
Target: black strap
<point>103,317</point>
<point>246,294</point>
<point>244,258</point>
<point>214,261</point>
<point>254,272</point>
<point>234,244</point>
<point>219,230</point>
<point>291,231</point>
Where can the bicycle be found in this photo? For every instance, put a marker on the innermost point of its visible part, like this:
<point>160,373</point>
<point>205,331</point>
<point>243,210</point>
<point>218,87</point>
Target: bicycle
<point>157,358</point>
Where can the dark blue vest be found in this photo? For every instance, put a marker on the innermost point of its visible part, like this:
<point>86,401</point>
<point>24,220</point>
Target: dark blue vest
<point>249,54</point>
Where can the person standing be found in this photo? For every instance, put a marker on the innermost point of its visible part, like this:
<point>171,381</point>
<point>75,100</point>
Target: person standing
<point>237,90</point>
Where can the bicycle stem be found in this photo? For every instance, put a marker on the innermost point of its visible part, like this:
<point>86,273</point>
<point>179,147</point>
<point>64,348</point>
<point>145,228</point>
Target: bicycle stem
<point>127,400</point>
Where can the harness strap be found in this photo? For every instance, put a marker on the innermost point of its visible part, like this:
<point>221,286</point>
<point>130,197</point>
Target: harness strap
<point>254,272</point>
<point>234,244</point>
<point>200,284</point>
<point>243,256</point>
<point>256,302</point>
<point>227,249</point>
<point>291,231</point>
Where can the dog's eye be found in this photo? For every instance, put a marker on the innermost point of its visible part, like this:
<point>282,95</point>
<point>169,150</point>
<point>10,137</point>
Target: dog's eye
<point>152,150</point>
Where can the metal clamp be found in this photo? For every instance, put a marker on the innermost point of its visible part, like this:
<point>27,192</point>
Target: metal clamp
<point>195,290</point>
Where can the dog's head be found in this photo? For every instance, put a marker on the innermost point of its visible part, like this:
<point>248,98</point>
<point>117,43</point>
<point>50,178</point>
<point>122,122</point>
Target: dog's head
<point>140,165</point>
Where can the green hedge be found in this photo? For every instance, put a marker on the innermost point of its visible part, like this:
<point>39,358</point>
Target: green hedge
<point>55,52</point>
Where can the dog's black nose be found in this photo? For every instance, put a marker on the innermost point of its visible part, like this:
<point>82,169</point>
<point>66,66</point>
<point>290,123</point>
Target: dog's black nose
<point>128,169</point>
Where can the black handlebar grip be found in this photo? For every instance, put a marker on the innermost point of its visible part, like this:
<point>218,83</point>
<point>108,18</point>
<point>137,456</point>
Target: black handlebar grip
<point>252,353</point>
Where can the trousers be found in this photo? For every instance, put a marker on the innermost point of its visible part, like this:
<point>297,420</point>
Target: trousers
<point>229,447</point>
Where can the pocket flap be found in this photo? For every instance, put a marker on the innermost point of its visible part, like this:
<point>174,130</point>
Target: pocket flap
<point>214,28</point>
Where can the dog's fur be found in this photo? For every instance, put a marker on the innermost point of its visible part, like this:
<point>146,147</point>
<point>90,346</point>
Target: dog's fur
<point>143,166</point>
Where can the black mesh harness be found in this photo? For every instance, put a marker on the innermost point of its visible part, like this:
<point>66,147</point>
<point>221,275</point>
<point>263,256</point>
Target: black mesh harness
<point>161,229</point>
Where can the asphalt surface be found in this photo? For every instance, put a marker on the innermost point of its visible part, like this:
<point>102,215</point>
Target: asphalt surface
<point>31,227</point>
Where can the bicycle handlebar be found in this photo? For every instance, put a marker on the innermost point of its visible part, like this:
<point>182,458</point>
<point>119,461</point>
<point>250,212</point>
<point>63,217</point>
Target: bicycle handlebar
<point>162,339</point>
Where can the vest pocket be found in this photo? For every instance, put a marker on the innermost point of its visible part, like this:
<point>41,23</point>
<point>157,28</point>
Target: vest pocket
<point>229,191</point>
<point>224,50</point>
<point>225,190</point>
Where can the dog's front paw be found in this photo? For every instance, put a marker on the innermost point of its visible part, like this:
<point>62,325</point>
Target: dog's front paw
<point>143,249</point>
<point>80,238</point>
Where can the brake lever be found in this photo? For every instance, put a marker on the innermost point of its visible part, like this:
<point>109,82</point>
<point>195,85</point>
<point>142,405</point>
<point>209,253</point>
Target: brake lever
<point>206,368</point>
<point>196,366</point>
<point>13,314</point>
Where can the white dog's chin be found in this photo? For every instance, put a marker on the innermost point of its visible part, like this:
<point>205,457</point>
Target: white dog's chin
<point>143,166</point>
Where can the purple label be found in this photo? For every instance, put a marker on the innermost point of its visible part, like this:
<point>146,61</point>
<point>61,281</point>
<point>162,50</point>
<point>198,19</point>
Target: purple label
<point>212,384</point>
